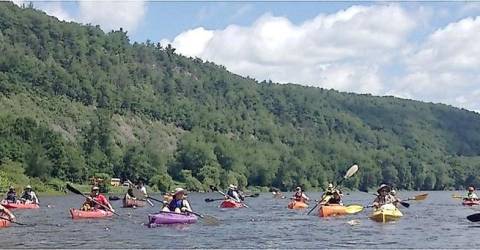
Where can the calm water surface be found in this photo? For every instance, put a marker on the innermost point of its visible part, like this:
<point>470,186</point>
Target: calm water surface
<point>438,222</point>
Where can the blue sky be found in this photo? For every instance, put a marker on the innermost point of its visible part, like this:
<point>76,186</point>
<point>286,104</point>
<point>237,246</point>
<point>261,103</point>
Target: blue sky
<point>418,50</point>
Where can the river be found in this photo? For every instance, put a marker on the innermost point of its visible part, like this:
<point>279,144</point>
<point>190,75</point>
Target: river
<point>437,222</point>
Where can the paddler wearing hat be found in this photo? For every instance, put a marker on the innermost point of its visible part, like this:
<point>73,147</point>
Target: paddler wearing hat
<point>99,198</point>
<point>471,195</point>
<point>178,204</point>
<point>29,196</point>
<point>233,193</point>
<point>384,196</point>
<point>300,196</point>
<point>332,195</point>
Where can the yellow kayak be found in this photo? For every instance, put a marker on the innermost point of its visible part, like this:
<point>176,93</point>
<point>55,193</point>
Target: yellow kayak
<point>386,213</point>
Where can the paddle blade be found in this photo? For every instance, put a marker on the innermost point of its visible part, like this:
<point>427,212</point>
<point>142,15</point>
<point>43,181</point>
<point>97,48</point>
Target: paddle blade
<point>405,204</point>
<point>457,196</point>
<point>73,190</point>
<point>474,217</point>
<point>209,200</point>
<point>352,209</point>
<point>351,171</point>
<point>420,197</point>
<point>254,195</point>
<point>210,220</point>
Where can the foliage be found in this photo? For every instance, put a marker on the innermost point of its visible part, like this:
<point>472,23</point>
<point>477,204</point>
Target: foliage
<point>75,101</point>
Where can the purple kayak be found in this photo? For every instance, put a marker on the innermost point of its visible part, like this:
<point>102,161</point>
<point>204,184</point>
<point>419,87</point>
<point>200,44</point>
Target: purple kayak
<point>165,218</point>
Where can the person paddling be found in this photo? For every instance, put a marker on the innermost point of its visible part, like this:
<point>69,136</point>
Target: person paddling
<point>141,187</point>
<point>5,211</point>
<point>332,196</point>
<point>29,196</point>
<point>95,195</point>
<point>179,203</point>
<point>471,195</point>
<point>234,194</point>
<point>11,195</point>
<point>300,196</point>
<point>130,195</point>
<point>384,197</point>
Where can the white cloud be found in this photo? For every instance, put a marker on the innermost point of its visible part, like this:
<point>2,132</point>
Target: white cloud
<point>112,15</point>
<point>342,50</point>
<point>445,67</point>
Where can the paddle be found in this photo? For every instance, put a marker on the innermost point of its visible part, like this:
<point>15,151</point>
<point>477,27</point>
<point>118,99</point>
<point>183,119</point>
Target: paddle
<point>76,191</point>
<point>419,197</point>
<point>210,200</point>
<point>457,196</point>
<point>222,193</point>
<point>351,171</point>
<point>474,217</point>
<point>352,209</point>
<point>21,224</point>
<point>255,195</point>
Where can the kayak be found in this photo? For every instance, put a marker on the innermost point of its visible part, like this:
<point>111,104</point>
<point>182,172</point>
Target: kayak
<point>98,213</point>
<point>18,205</point>
<point>4,223</point>
<point>231,204</point>
<point>386,213</point>
<point>133,203</point>
<point>332,210</point>
<point>167,218</point>
<point>470,202</point>
<point>297,205</point>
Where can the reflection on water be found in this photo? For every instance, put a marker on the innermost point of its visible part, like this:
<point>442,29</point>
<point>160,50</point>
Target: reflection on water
<point>438,222</point>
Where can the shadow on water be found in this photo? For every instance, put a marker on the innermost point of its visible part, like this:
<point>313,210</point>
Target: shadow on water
<point>438,222</point>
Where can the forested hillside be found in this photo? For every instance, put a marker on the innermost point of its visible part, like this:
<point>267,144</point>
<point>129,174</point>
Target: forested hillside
<point>75,102</point>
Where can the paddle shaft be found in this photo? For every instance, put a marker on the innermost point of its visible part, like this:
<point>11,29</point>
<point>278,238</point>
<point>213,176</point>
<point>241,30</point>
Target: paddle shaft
<point>211,200</point>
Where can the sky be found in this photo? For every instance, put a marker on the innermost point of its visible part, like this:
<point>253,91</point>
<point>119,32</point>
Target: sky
<point>427,51</point>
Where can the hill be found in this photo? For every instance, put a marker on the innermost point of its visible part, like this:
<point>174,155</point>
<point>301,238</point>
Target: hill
<point>75,102</point>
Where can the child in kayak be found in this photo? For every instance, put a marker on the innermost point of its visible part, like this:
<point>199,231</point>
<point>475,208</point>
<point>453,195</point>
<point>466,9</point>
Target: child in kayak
<point>178,204</point>
<point>95,198</point>
<point>28,196</point>
<point>300,195</point>
<point>4,211</point>
<point>384,197</point>
<point>471,195</point>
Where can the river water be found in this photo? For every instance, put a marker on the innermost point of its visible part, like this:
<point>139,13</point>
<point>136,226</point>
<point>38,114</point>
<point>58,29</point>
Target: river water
<point>437,222</point>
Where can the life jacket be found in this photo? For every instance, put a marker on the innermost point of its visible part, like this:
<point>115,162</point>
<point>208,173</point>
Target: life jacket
<point>11,196</point>
<point>174,204</point>
<point>27,196</point>
<point>335,200</point>
<point>298,196</point>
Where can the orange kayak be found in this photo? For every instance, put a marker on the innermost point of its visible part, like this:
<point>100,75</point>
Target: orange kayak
<point>297,205</point>
<point>98,213</point>
<point>18,205</point>
<point>331,210</point>
<point>4,223</point>
<point>231,204</point>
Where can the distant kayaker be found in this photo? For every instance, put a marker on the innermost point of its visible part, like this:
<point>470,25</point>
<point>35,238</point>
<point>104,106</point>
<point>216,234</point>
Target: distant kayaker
<point>300,195</point>
<point>142,188</point>
<point>29,196</point>
<point>384,197</point>
<point>95,198</point>
<point>5,211</point>
<point>471,195</point>
<point>234,194</point>
<point>178,204</point>
<point>11,195</point>
<point>130,195</point>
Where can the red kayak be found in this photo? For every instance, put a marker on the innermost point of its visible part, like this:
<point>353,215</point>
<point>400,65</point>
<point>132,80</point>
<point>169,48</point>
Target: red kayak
<point>231,204</point>
<point>471,202</point>
<point>94,214</point>
<point>18,205</point>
